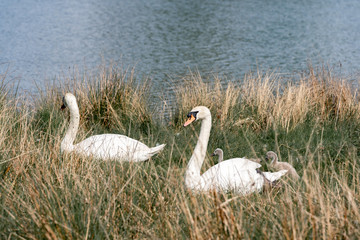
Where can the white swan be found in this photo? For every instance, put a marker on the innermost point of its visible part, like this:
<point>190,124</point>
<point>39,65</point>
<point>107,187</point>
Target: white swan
<point>281,165</point>
<point>105,146</point>
<point>237,174</point>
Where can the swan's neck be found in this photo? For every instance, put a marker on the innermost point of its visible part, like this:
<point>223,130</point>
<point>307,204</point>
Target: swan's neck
<point>221,156</point>
<point>192,176</point>
<point>67,142</point>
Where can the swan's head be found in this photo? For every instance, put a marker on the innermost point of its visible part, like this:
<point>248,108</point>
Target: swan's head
<point>68,100</point>
<point>270,156</point>
<point>199,112</point>
<point>217,152</point>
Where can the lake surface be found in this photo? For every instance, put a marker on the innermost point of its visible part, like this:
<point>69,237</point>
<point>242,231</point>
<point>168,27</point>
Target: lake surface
<point>42,40</point>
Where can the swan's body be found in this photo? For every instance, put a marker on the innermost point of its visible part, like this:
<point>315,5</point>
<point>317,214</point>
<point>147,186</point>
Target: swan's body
<point>219,152</point>
<point>105,146</point>
<point>237,174</point>
<point>282,165</point>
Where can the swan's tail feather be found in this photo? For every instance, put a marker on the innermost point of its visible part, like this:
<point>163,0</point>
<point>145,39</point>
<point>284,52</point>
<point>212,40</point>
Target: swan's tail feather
<point>145,155</point>
<point>156,149</point>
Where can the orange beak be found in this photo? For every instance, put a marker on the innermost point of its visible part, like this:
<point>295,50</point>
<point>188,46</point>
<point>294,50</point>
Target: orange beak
<point>189,120</point>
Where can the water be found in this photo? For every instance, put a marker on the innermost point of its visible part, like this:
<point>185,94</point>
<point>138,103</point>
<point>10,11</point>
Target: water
<point>41,40</point>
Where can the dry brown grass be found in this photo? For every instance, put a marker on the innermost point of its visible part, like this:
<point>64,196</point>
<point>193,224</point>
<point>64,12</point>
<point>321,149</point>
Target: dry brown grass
<point>263,99</point>
<point>44,195</point>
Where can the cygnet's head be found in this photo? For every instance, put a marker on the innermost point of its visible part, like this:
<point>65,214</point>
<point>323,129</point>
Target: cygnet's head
<point>270,156</point>
<point>217,152</point>
<point>199,112</point>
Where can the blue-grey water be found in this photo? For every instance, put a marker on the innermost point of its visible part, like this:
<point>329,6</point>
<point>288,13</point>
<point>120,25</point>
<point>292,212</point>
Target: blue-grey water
<point>41,40</point>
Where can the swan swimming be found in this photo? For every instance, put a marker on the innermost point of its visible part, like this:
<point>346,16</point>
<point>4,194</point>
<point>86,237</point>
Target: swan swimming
<point>238,174</point>
<point>281,165</point>
<point>104,146</point>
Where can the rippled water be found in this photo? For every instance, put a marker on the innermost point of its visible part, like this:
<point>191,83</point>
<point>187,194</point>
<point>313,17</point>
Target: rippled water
<point>40,40</point>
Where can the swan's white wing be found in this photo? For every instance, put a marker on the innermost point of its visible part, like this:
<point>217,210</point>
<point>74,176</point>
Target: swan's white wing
<point>238,174</point>
<point>272,176</point>
<point>113,146</point>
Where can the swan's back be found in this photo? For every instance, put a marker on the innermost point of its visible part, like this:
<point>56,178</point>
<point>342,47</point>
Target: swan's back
<point>114,146</point>
<point>238,174</point>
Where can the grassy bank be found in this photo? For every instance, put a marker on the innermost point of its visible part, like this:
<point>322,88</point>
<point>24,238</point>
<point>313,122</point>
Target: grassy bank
<point>313,124</point>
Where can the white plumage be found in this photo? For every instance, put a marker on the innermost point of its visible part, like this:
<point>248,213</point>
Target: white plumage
<point>105,146</point>
<point>238,174</point>
<point>219,152</point>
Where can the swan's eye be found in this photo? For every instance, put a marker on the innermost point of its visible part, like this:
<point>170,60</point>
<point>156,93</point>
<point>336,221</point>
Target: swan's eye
<point>63,106</point>
<point>190,118</point>
<point>192,114</point>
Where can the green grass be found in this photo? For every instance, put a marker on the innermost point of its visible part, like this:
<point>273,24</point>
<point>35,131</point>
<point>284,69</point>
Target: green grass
<point>314,124</point>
